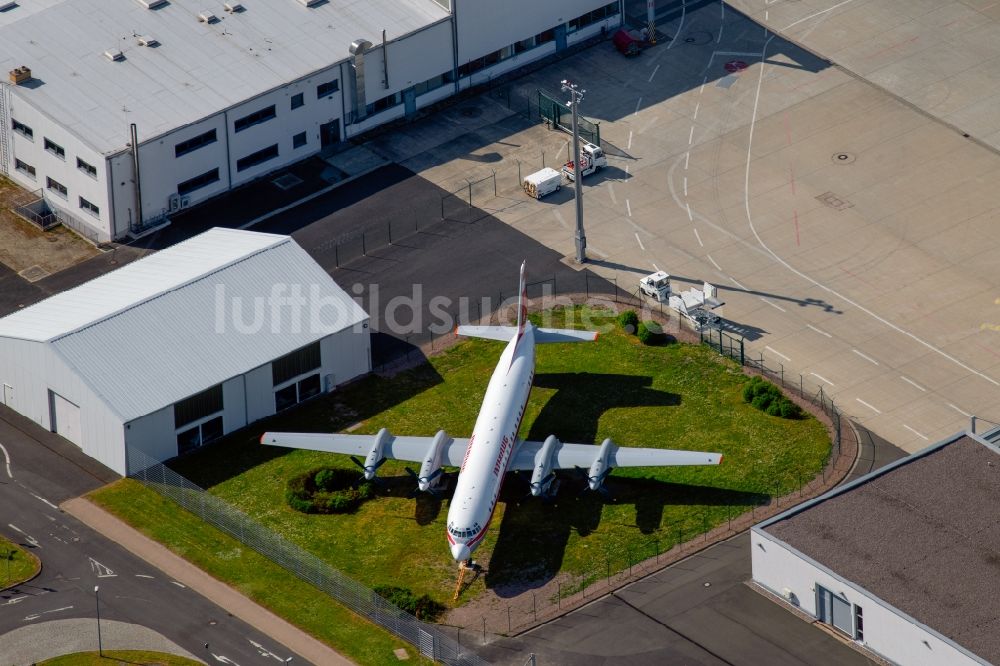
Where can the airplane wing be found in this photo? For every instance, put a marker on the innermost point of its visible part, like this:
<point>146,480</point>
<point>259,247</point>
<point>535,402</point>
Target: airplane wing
<point>568,456</point>
<point>412,449</point>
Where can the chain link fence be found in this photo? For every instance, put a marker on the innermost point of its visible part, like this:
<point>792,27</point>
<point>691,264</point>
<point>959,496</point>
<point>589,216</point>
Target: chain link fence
<point>429,639</point>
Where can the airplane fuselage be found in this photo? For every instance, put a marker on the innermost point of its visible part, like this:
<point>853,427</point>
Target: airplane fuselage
<point>491,446</point>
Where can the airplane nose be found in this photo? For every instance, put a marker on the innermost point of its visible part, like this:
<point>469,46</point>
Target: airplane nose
<point>460,552</point>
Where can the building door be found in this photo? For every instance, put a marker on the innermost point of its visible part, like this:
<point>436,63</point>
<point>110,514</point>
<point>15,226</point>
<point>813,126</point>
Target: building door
<point>834,610</point>
<point>65,418</point>
<point>329,133</point>
<point>8,395</point>
<point>560,36</point>
<point>410,101</point>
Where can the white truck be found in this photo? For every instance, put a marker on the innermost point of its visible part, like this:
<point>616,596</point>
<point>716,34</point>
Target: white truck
<point>695,305</point>
<point>592,160</point>
<point>543,182</point>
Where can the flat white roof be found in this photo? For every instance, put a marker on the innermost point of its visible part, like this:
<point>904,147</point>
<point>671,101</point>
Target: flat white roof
<point>177,322</point>
<point>197,70</point>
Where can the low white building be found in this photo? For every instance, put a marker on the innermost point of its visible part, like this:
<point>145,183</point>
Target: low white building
<point>905,561</point>
<point>219,94</point>
<point>182,346</point>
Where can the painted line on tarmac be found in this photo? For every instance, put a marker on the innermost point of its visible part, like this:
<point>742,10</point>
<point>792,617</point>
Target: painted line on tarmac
<point>611,192</point>
<point>687,158</point>
<point>690,216</point>
<point>655,70</point>
<point>818,330</point>
<point>27,537</point>
<point>917,433</point>
<point>734,281</point>
<point>685,185</point>
<point>638,103</point>
<point>696,107</point>
<point>639,241</point>
<point>869,406</point>
<point>822,378</point>
<point>698,236</point>
<point>679,25</point>
<point>960,411</point>
<point>6,457</point>
<point>691,136</point>
<point>35,616</point>
<point>629,146</point>
<point>181,585</point>
<point>655,267</point>
<point>773,305</point>
<point>777,353</point>
<point>42,499</point>
<point>714,262</point>
<point>143,576</point>
<point>865,356</point>
<point>912,383</point>
<point>628,207</point>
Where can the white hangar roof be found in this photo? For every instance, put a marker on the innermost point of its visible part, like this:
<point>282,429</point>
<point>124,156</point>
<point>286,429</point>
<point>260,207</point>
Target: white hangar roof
<point>188,317</point>
<point>198,68</point>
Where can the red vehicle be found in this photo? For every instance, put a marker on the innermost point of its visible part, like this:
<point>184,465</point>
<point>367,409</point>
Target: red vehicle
<point>626,43</point>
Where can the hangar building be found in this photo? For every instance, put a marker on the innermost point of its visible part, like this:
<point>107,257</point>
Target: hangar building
<point>182,346</point>
<point>904,561</point>
<point>218,94</point>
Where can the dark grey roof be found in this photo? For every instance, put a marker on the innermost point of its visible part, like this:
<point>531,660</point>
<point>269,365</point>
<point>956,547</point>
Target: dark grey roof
<point>923,537</point>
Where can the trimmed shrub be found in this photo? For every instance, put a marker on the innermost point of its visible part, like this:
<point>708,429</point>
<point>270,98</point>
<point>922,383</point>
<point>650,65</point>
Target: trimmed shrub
<point>423,607</point>
<point>650,333</point>
<point>768,398</point>
<point>629,321</point>
<point>327,490</point>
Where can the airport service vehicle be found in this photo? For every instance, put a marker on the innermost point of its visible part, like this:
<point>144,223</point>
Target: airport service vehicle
<point>592,160</point>
<point>541,183</point>
<point>494,448</point>
<point>626,43</point>
<point>695,305</point>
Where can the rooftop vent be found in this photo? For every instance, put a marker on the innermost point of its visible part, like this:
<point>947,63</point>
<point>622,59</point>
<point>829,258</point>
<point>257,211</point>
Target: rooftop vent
<point>114,54</point>
<point>20,74</point>
<point>147,40</point>
<point>310,3</point>
<point>234,7</point>
<point>207,17</point>
<point>152,4</point>
<point>7,6</point>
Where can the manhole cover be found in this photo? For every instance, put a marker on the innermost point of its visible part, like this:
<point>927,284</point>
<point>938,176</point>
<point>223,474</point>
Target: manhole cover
<point>287,182</point>
<point>843,158</point>
<point>34,273</point>
<point>734,66</point>
<point>471,112</point>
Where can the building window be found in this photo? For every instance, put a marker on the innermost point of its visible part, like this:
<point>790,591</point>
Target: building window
<point>255,118</point>
<point>297,392</point>
<point>198,182</point>
<point>88,169</point>
<point>386,102</point>
<point>199,435</point>
<point>859,624</point>
<point>55,148</point>
<point>89,207</point>
<point>299,140</point>
<point>298,100</point>
<point>253,159</point>
<point>328,88</point>
<point>194,143</point>
<point>544,37</point>
<point>57,187</point>
<point>430,84</point>
<point>297,363</point>
<point>198,406</point>
<point>24,168</point>
<point>589,18</point>
<point>22,129</point>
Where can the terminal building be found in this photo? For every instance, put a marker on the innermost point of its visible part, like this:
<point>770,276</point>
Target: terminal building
<point>183,346</point>
<point>118,114</point>
<point>904,561</point>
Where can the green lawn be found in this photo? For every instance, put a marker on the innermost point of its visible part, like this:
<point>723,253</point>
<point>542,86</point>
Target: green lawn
<point>114,657</point>
<point>252,574</point>
<point>674,396</point>
<point>16,564</point>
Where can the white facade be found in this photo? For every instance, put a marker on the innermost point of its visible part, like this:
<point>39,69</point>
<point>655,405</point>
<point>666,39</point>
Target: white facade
<point>116,361</point>
<point>206,76</point>
<point>857,612</point>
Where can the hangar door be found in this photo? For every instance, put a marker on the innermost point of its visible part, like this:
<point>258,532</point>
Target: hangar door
<point>65,418</point>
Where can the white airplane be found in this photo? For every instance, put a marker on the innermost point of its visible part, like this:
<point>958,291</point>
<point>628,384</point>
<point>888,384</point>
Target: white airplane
<point>493,449</point>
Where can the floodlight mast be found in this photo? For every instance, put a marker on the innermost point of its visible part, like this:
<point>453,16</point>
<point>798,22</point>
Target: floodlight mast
<point>576,96</point>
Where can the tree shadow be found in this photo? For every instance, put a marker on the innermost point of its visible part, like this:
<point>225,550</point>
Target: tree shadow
<point>572,414</point>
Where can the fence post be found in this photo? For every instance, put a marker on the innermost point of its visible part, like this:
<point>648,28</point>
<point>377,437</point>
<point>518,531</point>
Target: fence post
<point>470,194</point>
<point>509,631</point>
<point>494,183</point>
<point>389,225</point>
<point>742,359</point>
<point>782,365</point>
<point>364,250</point>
